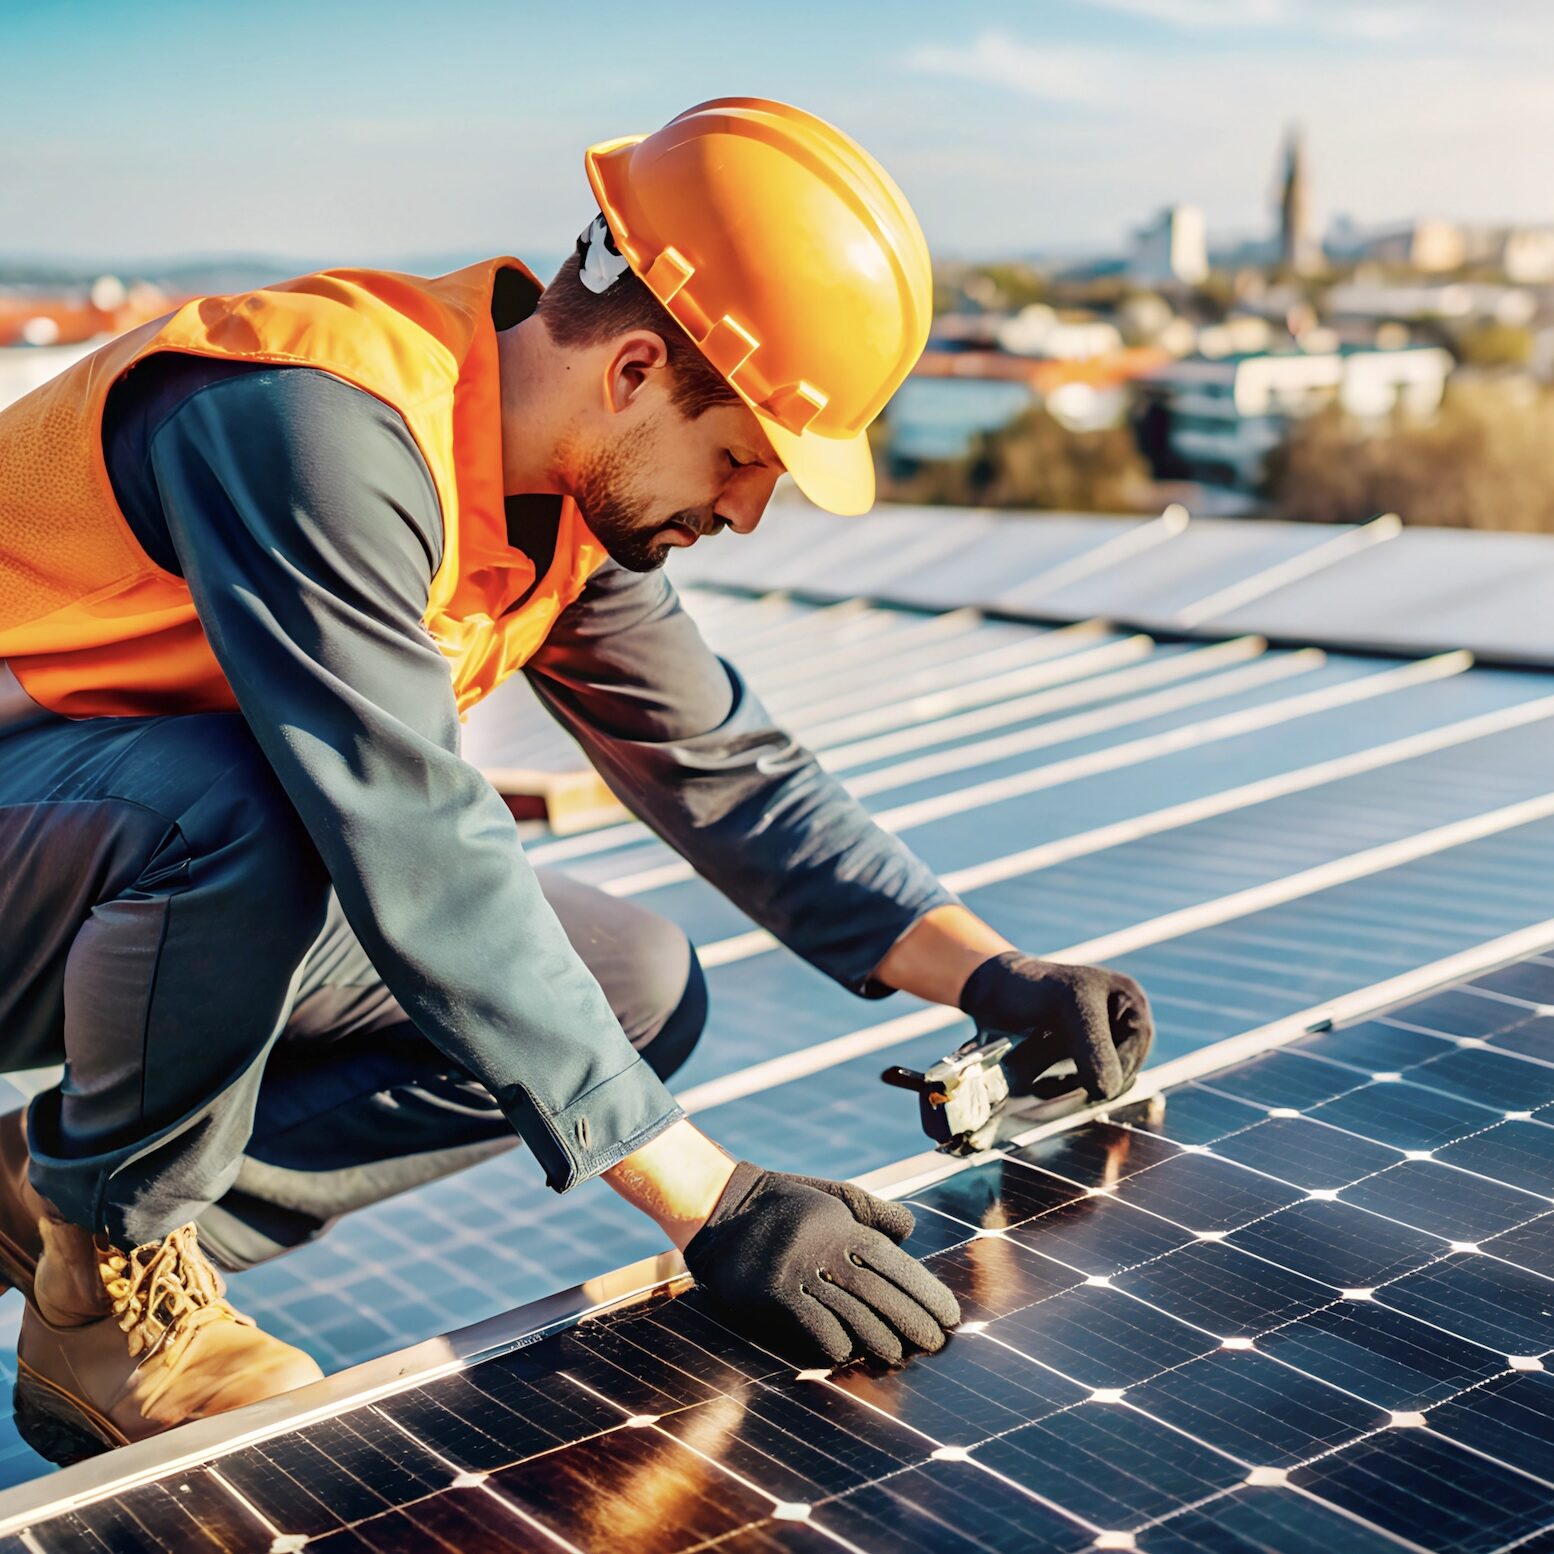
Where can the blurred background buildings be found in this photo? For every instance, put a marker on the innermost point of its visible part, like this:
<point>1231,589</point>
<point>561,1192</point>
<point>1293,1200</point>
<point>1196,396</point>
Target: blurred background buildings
<point>1325,376</point>
<point>1328,376</point>
<point>1330,359</point>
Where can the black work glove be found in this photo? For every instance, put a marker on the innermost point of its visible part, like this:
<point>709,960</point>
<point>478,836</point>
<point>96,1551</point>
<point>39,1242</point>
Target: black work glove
<point>1098,1018</point>
<point>806,1264</point>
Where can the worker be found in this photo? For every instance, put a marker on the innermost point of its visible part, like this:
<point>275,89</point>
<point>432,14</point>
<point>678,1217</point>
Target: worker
<point>257,558</point>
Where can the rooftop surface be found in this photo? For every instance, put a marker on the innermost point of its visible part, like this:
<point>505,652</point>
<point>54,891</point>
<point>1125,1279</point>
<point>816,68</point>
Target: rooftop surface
<point>1294,1304</point>
<point>1263,834</point>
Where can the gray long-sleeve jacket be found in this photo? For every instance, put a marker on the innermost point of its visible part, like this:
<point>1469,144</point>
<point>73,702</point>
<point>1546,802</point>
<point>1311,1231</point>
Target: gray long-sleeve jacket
<point>300,512</point>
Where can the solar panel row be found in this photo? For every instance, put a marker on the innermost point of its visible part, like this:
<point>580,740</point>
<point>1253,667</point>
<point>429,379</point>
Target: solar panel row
<point>1253,832</point>
<point>1381,586</point>
<point>1099,832</point>
<point>1304,1302</point>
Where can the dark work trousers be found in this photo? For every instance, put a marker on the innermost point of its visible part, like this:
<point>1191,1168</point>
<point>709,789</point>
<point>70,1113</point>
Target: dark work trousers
<point>168,932</point>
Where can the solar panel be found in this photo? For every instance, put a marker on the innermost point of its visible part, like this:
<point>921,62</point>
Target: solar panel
<point>1427,587</point>
<point>1409,590</point>
<point>1257,857</point>
<point>1206,557</point>
<point>1254,1311</point>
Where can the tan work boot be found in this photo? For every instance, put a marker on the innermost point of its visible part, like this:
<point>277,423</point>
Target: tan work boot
<point>20,1208</point>
<point>117,1346</point>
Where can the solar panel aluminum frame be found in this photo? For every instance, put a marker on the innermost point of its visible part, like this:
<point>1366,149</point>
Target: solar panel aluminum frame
<point>204,1440</point>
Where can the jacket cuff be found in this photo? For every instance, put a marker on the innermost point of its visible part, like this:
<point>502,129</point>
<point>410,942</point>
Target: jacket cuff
<point>597,1130</point>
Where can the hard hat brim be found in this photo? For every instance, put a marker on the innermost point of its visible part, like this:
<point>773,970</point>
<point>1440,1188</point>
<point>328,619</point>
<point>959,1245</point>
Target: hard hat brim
<point>835,473</point>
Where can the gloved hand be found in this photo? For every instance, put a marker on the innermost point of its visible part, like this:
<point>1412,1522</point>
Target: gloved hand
<point>813,1264</point>
<point>1098,1018</point>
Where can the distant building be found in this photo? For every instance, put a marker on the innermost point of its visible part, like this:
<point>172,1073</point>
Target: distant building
<point>1524,254</point>
<point>1452,301</point>
<point>1041,331</point>
<point>1217,421</point>
<point>1298,246</point>
<point>1242,334</point>
<point>1172,249</point>
<point>1429,244</point>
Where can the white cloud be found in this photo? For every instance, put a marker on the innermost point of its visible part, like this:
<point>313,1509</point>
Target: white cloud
<point>1383,21</point>
<point>1059,73</point>
<point>1203,13</point>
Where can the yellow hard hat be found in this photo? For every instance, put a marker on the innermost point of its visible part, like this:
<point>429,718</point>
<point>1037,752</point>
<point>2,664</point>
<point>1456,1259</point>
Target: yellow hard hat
<point>791,258</point>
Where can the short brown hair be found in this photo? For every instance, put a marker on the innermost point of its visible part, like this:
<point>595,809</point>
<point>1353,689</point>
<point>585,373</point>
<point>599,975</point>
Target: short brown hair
<point>576,316</point>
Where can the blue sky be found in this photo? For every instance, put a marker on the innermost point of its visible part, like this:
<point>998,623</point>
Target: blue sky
<point>340,131</point>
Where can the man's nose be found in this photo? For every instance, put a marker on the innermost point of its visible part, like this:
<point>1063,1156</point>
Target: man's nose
<point>745,498</point>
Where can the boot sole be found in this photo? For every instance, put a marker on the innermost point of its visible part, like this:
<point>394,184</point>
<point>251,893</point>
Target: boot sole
<point>55,1424</point>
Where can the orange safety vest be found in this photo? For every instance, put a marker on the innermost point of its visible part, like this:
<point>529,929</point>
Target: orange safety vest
<point>91,627</point>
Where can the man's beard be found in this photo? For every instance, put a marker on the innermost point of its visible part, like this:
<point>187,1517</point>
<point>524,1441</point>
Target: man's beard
<point>618,518</point>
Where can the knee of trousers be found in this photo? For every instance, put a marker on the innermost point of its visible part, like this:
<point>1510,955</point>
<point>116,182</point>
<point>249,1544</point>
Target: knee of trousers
<point>681,1027</point>
<point>645,964</point>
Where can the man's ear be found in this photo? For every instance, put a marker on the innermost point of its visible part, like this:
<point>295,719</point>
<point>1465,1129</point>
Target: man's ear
<point>638,363</point>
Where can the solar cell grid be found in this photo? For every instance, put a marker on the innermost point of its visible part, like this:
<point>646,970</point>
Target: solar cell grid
<point>1480,1297</point>
<point>1376,1045</point>
<point>1099,1337</point>
<point>1532,1038</point>
<point>1305,1154</point>
<point>1196,1115</point>
<point>1460,1012</point>
<point>1266,1518</point>
<point>994,1276</point>
<point>1111,1464</point>
<point>1501,1080</point>
<point>1416,1485</point>
<point>1202,1193</point>
<point>1530,1246</point>
<point>951,1508</point>
<point>1225,1292</point>
<point>1344,1246</point>
<point>1453,1204</point>
<point>1100,1155</point>
<point>1167,1346</point>
<point>1407,1116</point>
<point>1390,1360</point>
<point>1510,1418</point>
<point>999,1194</point>
<point>1529,980</point>
<point>1262,1412</point>
<point>1283,1079</point>
<point>1519,1151</point>
<point>1098,1235</point>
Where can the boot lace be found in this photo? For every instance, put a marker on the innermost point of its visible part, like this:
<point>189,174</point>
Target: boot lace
<point>158,1285</point>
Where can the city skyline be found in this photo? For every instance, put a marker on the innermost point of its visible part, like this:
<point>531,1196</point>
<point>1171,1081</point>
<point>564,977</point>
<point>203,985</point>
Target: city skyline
<point>356,133</point>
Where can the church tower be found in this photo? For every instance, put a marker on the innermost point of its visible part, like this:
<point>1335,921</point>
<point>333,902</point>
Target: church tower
<point>1298,248</point>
